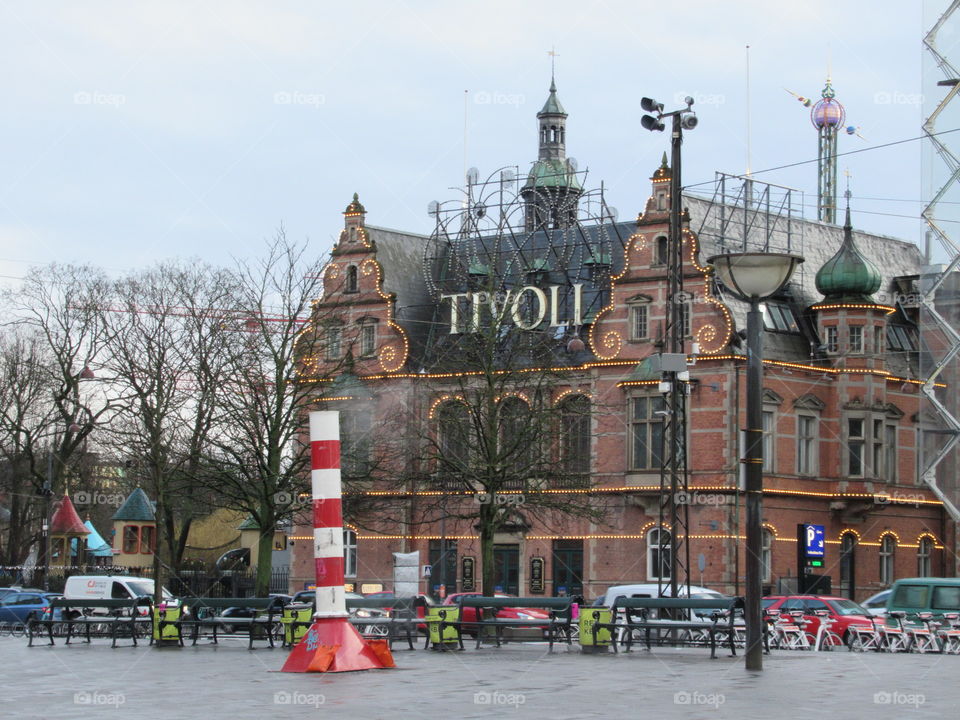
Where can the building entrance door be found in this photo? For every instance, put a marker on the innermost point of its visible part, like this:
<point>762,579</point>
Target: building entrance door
<point>848,565</point>
<point>506,569</point>
<point>568,567</point>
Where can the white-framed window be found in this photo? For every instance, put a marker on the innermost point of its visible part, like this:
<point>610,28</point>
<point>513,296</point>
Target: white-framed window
<point>334,342</point>
<point>639,321</point>
<point>856,445</point>
<point>856,339</point>
<point>766,555</point>
<point>832,339</point>
<point>769,420</point>
<point>349,553</point>
<point>879,336</point>
<point>686,315</point>
<point>888,552</point>
<point>924,556</point>
<point>646,432</point>
<point>807,444</point>
<point>658,554</point>
<point>368,338</point>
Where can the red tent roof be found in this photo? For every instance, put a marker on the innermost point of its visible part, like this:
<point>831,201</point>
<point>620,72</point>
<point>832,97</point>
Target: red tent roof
<point>66,521</point>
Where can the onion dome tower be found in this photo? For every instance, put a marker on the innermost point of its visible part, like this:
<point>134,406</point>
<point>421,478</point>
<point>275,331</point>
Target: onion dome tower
<point>827,116</point>
<point>552,190</point>
<point>852,325</point>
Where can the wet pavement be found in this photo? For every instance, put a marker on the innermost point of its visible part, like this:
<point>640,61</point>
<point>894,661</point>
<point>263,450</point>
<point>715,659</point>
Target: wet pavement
<point>517,680</point>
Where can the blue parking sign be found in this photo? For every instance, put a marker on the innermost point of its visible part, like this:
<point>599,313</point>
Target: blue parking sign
<point>813,541</point>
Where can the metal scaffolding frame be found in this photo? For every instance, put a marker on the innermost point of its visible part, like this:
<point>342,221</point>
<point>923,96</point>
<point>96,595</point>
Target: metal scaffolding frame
<point>942,278</point>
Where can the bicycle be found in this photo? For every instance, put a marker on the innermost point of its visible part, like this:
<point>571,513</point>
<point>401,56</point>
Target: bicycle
<point>789,630</point>
<point>882,638</point>
<point>923,638</point>
<point>825,640</point>
<point>948,634</point>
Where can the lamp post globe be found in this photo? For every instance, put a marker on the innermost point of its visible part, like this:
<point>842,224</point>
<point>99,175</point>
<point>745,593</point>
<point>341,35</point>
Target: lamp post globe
<point>754,276</point>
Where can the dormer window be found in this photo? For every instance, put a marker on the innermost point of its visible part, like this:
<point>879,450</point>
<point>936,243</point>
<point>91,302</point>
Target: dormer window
<point>353,283</point>
<point>832,339</point>
<point>353,234</point>
<point>661,201</point>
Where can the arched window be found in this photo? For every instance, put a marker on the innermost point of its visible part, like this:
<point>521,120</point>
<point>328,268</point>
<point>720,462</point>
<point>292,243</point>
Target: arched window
<point>658,554</point>
<point>766,555</point>
<point>349,553</point>
<point>848,565</point>
<point>575,436</point>
<point>517,439</point>
<point>453,440</point>
<point>353,283</point>
<point>924,552</point>
<point>888,551</point>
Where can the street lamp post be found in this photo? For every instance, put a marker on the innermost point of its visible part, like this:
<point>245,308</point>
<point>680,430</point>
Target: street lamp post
<point>754,276</point>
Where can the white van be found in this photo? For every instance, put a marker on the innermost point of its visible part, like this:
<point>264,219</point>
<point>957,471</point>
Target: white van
<point>106,587</point>
<point>651,590</point>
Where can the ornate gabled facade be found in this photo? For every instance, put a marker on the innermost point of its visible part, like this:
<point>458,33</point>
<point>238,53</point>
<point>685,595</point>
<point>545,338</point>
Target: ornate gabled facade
<point>841,401</point>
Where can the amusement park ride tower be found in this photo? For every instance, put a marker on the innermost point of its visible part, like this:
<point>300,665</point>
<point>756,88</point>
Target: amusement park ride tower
<point>827,116</point>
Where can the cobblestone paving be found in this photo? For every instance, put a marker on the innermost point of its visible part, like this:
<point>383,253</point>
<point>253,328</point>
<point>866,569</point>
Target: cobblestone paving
<point>516,681</point>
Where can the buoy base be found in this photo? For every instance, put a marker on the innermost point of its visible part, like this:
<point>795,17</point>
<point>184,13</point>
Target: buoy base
<point>334,645</point>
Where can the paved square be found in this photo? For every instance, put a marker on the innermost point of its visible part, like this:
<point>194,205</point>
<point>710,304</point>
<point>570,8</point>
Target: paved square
<point>518,680</point>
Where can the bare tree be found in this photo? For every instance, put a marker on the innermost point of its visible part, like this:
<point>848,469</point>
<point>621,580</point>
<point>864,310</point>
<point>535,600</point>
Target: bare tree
<point>167,326</point>
<point>258,461</point>
<point>26,418</point>
<point>60,306</point>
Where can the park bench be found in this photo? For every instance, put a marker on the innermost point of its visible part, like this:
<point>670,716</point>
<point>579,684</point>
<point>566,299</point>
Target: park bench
<point>713,616</point>
<point>559,625</point>
<point>120,617</point>
<point>205,614</point>
<point>399,623</point>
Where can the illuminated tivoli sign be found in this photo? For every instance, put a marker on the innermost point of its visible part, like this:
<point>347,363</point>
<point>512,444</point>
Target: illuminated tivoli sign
<point>527,307</point>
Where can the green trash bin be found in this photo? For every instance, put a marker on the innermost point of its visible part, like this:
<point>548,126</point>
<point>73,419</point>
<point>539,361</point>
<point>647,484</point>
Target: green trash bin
<point>169,633</point>
<point>432,619</point>
<point>299,614</point>
<point>589,616</point>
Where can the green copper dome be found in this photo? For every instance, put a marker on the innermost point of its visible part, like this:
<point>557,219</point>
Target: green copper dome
<point>552,173</point>
<point>552,106</point>
<point>848,276</point>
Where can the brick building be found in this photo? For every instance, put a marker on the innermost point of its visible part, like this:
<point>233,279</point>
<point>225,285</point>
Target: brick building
<point>842,407</point>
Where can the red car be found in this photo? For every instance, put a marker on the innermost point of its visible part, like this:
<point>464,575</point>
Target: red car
<point>507,613</point>
<point>843,611</point>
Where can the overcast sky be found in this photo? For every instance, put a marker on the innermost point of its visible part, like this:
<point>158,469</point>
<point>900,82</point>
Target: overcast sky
<point>137,131</point>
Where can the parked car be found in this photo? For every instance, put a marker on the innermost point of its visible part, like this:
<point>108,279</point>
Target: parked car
<point>15,589</point>
<point>934,595</point>
<point>877,604</point>
<point>843,611</point>
<point>17,607</point>
<point>652,590</point>
<point>309,596</point>
<point>508,613</point>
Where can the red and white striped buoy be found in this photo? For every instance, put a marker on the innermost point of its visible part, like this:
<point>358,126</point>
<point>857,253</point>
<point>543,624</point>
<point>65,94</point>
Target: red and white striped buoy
<point>331,644</point>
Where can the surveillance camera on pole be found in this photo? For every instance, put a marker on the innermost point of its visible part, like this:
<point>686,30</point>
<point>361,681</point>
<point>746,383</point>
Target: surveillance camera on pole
<point>674,383</point>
